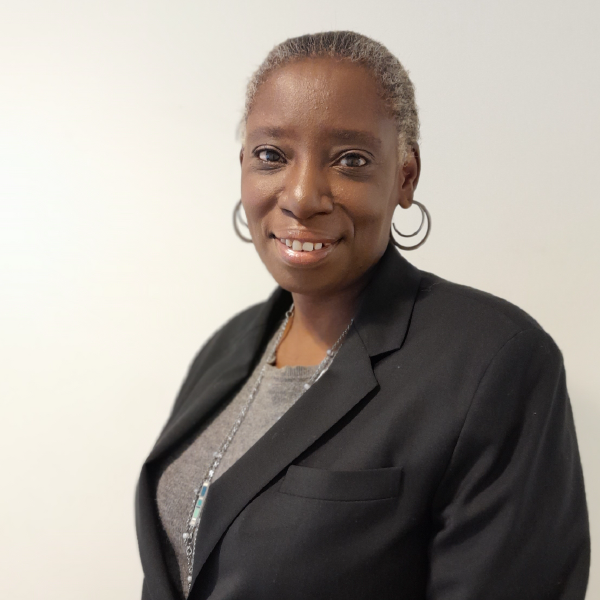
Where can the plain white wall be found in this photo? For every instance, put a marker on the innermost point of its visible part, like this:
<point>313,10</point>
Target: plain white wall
<point>118,174</point>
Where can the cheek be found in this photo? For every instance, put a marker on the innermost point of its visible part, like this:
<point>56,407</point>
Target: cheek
<point>258,194</point>
<point>370,208</point>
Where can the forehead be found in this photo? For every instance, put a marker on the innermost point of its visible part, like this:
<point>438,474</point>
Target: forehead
<point>315,95</point>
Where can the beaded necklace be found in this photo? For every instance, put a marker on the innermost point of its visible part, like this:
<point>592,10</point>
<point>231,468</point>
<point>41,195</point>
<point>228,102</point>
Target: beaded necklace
<point>200,494</point>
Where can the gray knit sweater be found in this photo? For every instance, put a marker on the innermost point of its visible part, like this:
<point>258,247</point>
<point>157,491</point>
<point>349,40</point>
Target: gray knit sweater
<point>182,471</point>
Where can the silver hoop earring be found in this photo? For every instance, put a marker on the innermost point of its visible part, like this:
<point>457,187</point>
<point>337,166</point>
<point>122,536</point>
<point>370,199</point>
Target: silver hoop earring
<point>424,215</point>
<point>238,219</point>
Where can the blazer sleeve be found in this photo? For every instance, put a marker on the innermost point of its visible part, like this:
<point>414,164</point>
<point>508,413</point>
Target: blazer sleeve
<point>510,512</point>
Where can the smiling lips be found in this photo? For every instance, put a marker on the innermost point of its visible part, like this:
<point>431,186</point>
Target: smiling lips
<point>295,249</point>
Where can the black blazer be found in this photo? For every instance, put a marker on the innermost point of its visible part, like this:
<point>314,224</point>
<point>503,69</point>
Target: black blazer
<point>436,458</point>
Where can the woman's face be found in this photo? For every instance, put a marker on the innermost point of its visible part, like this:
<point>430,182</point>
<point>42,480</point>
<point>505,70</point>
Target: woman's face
<point>320,170</point>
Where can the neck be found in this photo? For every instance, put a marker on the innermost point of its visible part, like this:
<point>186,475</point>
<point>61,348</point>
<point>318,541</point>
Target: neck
<point>317,324</point>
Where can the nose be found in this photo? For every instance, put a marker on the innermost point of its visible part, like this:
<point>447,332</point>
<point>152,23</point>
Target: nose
<point>307,191</point>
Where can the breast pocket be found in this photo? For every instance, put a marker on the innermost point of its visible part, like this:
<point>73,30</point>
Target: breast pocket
<point>322,484</point>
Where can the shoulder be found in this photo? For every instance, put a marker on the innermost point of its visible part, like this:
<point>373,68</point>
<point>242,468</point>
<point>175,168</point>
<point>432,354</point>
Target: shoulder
<point>465,316</point>
<point>490,362</point>
<point>231,333</point>
<point>218,348</point>
<point>470,306</point>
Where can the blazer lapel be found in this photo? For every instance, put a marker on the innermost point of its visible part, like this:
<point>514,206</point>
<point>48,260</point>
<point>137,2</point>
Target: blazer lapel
<point>148,524</point>
<point>205,397</point>
<point>210,390</point>
<point>380,326</point>
<point>348,380</point>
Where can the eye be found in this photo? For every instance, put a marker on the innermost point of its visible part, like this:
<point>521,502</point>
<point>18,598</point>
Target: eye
<point>269,155</point>
<point>353,160</point>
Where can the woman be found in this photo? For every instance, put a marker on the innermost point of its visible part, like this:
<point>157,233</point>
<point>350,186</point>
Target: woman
<point>370,431</point>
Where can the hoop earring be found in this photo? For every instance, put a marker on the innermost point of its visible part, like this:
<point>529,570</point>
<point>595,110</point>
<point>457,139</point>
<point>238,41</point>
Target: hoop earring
<point>424,214</point>
<point>237,218</point>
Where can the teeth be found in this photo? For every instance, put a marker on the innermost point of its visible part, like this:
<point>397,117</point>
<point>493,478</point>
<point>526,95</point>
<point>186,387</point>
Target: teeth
<point>299,246</point>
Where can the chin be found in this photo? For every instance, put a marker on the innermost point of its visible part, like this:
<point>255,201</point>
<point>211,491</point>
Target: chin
<point>320,281</point>
<point>307,282</point>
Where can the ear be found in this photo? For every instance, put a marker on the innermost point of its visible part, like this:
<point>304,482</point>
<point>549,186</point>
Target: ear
<point>408,177</point>
<point>241,155</point>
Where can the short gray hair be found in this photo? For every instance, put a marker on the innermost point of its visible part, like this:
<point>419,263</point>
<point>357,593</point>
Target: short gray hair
<point>396,88</point>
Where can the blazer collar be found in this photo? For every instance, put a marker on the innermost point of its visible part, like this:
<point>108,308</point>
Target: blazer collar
<point>386,307</point>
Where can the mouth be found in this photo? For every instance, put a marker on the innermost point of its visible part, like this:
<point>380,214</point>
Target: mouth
<point>303,249</point>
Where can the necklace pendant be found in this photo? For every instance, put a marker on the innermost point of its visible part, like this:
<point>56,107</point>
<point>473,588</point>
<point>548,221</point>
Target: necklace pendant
<point>200,501</point>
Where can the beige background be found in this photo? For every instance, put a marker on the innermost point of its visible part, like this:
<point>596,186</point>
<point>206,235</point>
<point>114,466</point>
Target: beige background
<point>118,174</point>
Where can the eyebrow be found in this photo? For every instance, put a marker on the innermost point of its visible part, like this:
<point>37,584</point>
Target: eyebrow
<point>273,132</point>
<point>341,135</point>
<point>353,135</point>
